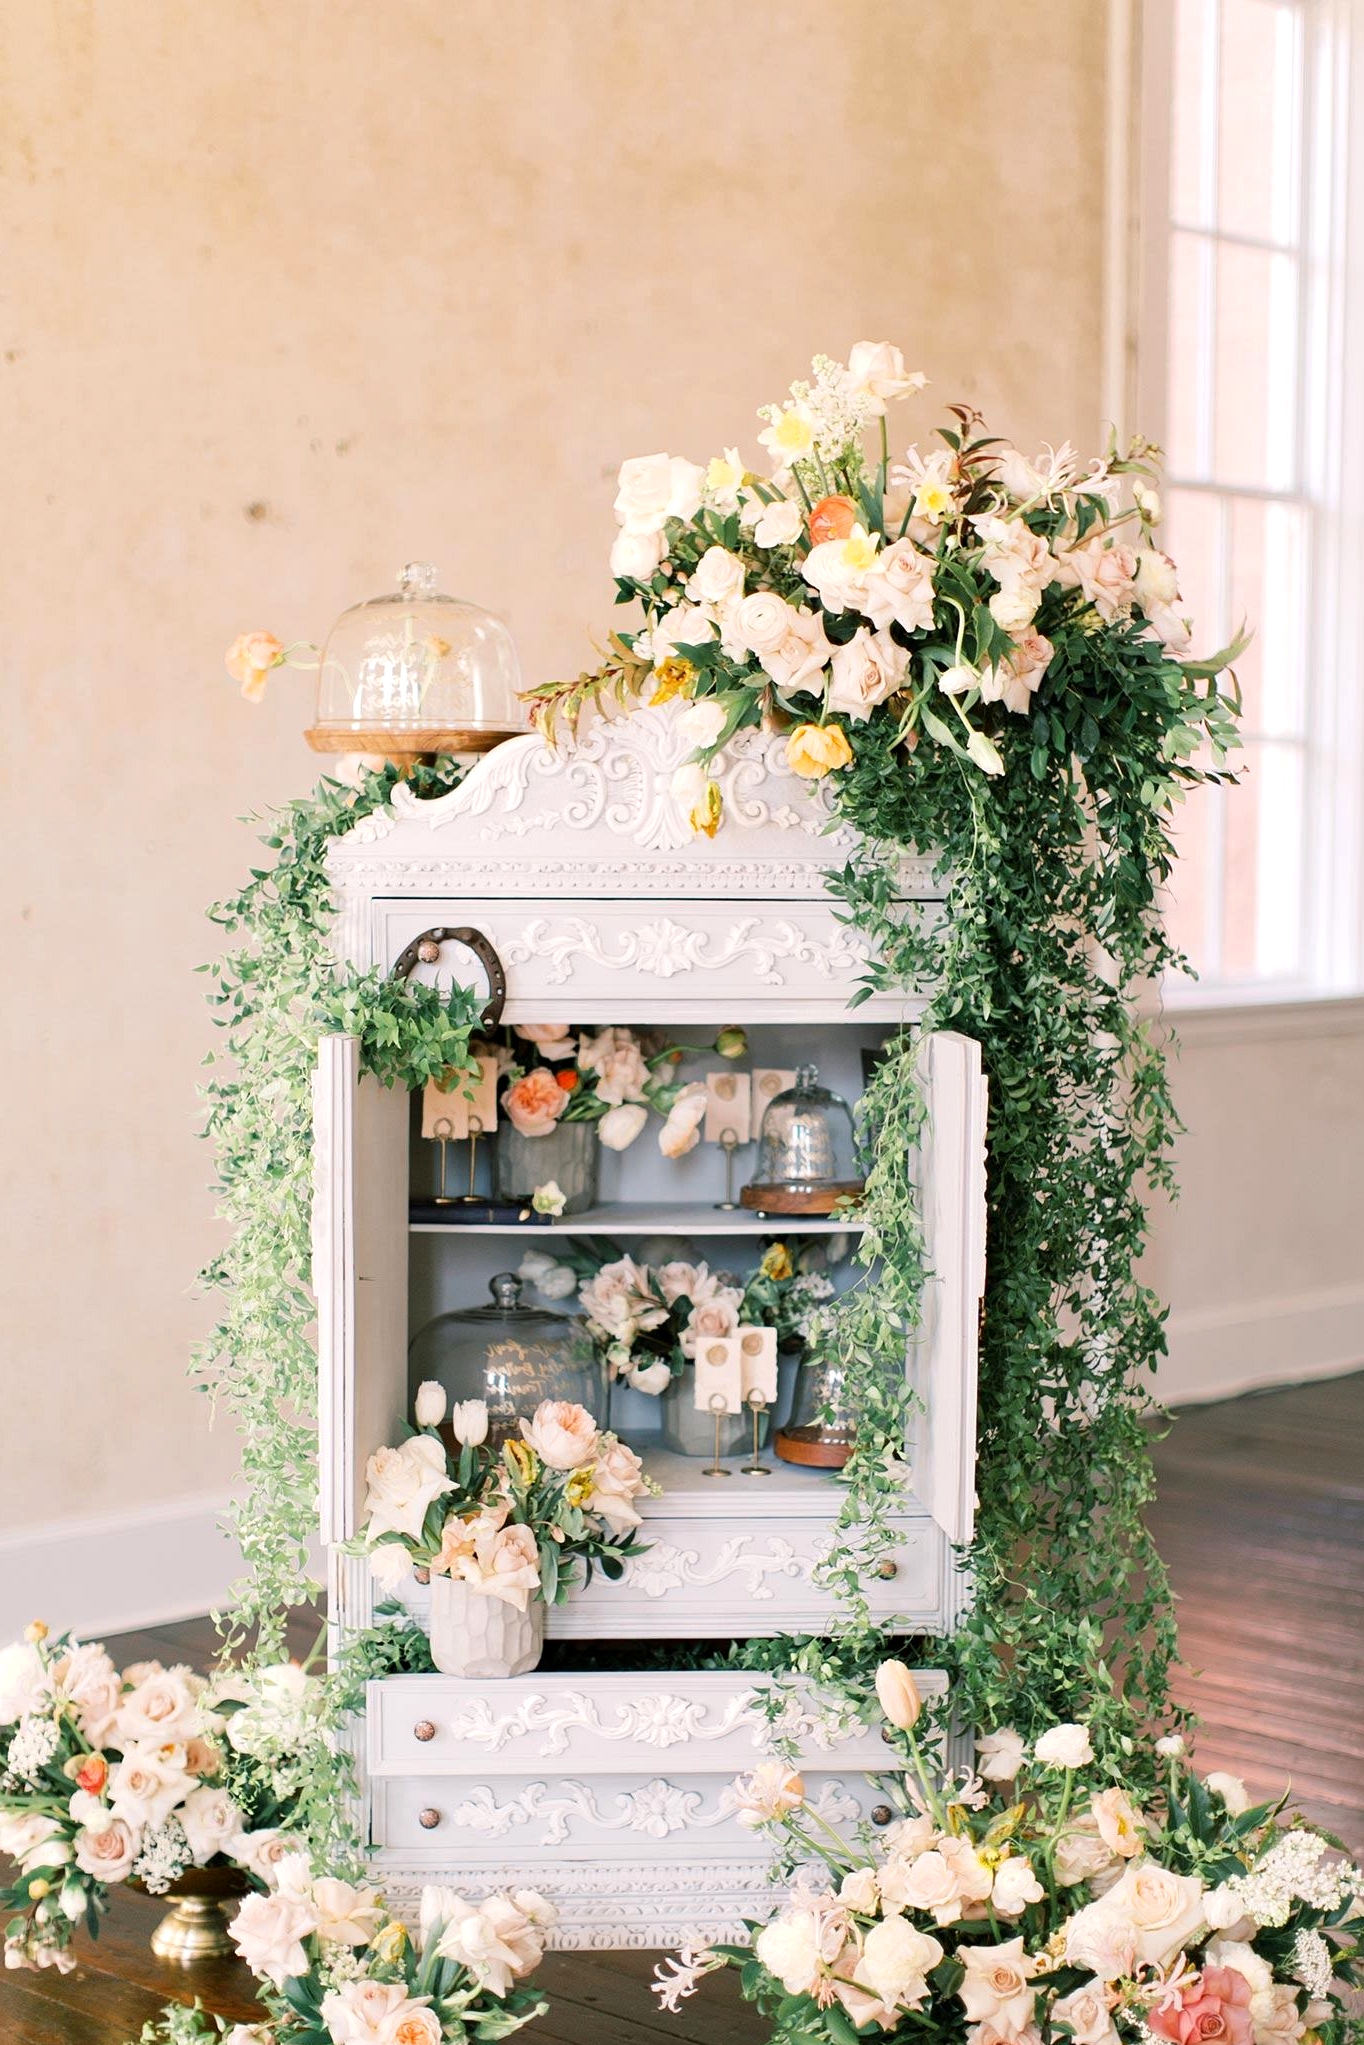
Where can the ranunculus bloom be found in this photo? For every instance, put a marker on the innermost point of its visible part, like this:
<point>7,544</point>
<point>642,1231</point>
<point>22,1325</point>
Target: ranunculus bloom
<point>833,518</point>
<point>1064,1746</point>
<point>814,750</point>
<point>999,1755</point>
<point>563,1435</point>
<point>535,1102</point>
<point>1213,2010</point>
<point>250,658</point>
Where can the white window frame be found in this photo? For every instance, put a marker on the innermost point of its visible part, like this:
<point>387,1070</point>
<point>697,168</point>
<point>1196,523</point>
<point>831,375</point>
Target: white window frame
<point>1330,467</point>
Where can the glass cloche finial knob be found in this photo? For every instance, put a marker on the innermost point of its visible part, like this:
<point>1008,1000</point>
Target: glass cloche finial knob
<point>417,578</point>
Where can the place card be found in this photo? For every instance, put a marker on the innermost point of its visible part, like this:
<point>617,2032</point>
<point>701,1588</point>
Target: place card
<point>719,1376</point>
<point>758,1364</point>
<point>447,1115</point>
<point>768,1080</point>
<point>729,1115</point>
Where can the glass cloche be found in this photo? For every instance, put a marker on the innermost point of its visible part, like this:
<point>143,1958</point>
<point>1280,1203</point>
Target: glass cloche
<point>807,1158</point>
<point>416,673</point>
<point>511,1356</point>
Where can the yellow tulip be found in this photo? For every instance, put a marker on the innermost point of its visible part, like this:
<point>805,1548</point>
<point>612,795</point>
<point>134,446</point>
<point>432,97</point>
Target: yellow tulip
<point>813,750</point>
<point>777,1262</point>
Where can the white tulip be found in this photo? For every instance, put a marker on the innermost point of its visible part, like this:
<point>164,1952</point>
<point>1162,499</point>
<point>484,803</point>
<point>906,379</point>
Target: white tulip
<point>430,1404</point>
<point>469,1419</point>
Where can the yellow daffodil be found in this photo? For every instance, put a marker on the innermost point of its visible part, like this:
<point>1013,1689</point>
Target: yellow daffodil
<point>672,677</point>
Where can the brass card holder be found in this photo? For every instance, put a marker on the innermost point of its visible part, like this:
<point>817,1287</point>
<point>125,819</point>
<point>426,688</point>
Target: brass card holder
<point>719,1407</point>
<point>757,1405</point>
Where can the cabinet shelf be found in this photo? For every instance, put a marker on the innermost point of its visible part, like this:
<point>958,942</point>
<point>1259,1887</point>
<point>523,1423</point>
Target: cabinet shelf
<point>651,1219</point>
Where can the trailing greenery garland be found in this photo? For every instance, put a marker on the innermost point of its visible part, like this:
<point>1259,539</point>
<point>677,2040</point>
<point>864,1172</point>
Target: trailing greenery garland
<point>276,991</point>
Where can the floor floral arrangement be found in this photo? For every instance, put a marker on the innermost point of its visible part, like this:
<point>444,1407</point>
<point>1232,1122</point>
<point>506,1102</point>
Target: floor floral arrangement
<point>139,1775</point>
<point>1042,1896</point>
<point>335,1969</point>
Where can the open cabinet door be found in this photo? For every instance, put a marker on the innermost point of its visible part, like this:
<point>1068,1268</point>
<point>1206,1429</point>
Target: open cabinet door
<point>360,1282</point>
<point>943,1364</point>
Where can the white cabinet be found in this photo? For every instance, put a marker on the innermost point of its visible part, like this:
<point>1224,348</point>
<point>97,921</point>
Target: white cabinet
<point>606,1786</point>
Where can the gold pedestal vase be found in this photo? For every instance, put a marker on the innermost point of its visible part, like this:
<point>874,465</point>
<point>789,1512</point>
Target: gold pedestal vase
<point>198,1926</point>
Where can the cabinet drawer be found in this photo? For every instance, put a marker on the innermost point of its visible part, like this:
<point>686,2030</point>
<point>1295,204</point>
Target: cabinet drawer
<point>679,1723</point>
<point>634,960</point>
<point>604,1817</point>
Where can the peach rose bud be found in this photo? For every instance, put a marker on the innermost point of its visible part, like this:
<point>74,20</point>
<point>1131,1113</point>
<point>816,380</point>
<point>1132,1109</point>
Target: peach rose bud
<point>898,1695</point>
<point>92,1773</point>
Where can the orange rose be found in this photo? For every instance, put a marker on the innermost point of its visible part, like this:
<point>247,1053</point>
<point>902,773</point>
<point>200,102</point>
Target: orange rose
<point>833,518</point>
<point>568,1079</point>
<point>535,1102</point>
<point>250,658</point>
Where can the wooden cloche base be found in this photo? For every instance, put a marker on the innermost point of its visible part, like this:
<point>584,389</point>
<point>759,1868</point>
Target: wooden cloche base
<point>405,746</point>
<point>806,1446</point>
<point>787,1200</point>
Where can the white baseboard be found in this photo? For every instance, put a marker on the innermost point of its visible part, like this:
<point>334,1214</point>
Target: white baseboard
<point>112,1574</point>
<point>1251,1345</point>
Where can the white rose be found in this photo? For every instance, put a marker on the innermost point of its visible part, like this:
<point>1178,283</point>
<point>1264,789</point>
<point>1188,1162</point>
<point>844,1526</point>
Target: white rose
<point>1064,1746</point>
<point>546,1274</point>
<point>1165,1910</point>
<point>684,625</point>
<point>718,578</point>
<point>1013,609</point>
<point>1086,2015</point>
<point>346,1916</point>
<point>1015,1886</point>
<point>681,1132</point>
<point>210,1819</point>
<point>260,1853</point>
<point>877,370</point>
<point>761,621</point>
<point>86,1677</point>
<point>680,1280</point>
<point>901,592</point>
<point>268,1932</point>
<point>1103,1941</point>
<point>713,1321</point>
<point>652,1380</point>
<point>21,1834</point>
<point>147,1784</point>
<point>23,1682</point>
<point>499,1940</point>
<point>859,1892</point>
<point>368,2012</point>
<point>402,1483</point>
<point>789,1948</point>
<point>617,1129</point>
<point>390,1565</point>
<point>777,524</point>
<point>162,1710</point>
<point>1157,580</point>
<point>1244,1960</point>
<point>865,671</point>
<point>701,723</point>
<point>1232,1791</point>
<point>107,1851</point>
<point>1000,1755</point>
<point>617,1481</point>
<point>1225,1911</point>
<point>430,1403</point>
<point>996,1989</point>
<point>798,661</point>
<point>896,1960</point>
<point>1275,2015</point>
<point>655,487</point>
<point>1081,1853</point>
<point>637,557</point>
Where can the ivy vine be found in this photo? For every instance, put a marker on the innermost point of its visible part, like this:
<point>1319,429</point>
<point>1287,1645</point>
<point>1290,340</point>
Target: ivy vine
<point>276,990</point>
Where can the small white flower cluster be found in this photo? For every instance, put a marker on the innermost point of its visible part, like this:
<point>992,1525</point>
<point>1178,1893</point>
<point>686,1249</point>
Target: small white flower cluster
<point>1312,1962</point>
<point>35,1742</point>
<point>165,1854</point>
<point>1292,1870</point>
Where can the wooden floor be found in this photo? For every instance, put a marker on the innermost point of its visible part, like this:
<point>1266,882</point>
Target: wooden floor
<point>1261,1518</point>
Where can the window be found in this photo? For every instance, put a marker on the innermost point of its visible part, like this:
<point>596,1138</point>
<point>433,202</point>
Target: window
<point>1239,356</point>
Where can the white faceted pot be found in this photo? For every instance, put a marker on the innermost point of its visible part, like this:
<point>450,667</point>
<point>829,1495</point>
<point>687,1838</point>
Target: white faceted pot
<point>476,1635</point>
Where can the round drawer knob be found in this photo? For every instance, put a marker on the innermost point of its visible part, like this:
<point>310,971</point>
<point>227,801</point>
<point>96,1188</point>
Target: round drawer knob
<point>881,1814</point>
<point>890,1734</point>
<point>888,1568</point>
<point>420,1573</point>
<point>428,951</point>
<point>428,1819</point>
<point>423,1730</point>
